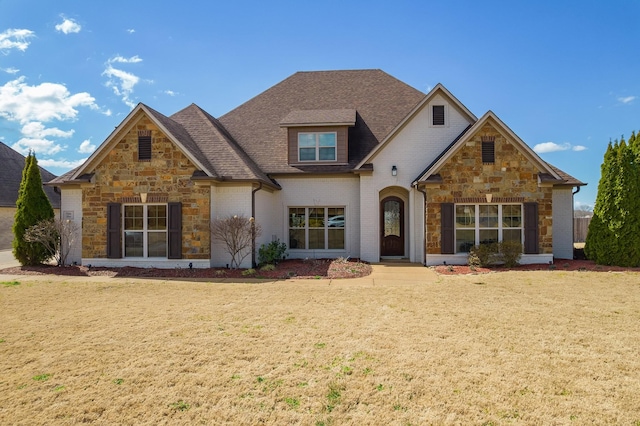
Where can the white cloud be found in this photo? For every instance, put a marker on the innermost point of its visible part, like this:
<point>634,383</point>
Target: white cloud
<point>39,146</point>
<point>170,92</point>
<point>68,26</point>
<point>35,129</point>
<point>15,39</point>
<point>131,31</point>
<point>44,102</point>
<point>10,70</point>
<point>121,59</point>
<point>547,147</point>
<point>60,164</point>
<point>122,84</point>
<point>86,147</point>
<point>626,99</point>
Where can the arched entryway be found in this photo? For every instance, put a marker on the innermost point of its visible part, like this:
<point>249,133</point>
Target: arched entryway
<point>392,229</point>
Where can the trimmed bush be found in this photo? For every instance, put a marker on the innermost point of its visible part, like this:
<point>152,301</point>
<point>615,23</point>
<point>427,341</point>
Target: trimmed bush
<point>505,253</point>
<point>272,253</point>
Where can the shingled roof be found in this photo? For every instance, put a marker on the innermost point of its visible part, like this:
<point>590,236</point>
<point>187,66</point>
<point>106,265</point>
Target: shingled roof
<point>380,101</point>
<point>11,176</point>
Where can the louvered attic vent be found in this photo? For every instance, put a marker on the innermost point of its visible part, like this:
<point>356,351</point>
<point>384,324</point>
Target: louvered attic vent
<point>144,145</point>
<point>488,149</point>
<point>438,115</point>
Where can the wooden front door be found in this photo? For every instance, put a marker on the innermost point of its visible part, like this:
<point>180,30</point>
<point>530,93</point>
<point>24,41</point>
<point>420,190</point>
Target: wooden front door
<point>392,227</point>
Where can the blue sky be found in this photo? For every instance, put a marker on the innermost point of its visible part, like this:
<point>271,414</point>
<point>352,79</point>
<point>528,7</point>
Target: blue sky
<point>564,75</point>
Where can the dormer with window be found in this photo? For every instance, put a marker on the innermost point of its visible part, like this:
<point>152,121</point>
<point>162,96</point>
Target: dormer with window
<point>318,136</point>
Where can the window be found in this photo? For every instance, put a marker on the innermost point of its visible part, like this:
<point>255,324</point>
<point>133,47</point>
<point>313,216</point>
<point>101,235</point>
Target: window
<point>486,223</point>
<point>144,145</point>
<point>488,152</point>
<point>145,230</point>
<point>317,146</point>
<point>316,228</point>
<point>437,115</point>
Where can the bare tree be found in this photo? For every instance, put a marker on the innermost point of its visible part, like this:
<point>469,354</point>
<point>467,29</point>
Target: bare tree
<point>237,233</point>
<point>583,210</point>
<point>56,236</point>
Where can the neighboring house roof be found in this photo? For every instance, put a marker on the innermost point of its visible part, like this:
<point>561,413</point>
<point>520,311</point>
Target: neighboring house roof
<point>544,168</point>
<point>380,101</point>
<point>11,176</point>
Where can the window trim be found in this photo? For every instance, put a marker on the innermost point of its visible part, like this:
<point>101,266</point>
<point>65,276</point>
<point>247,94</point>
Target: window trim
<point>317,147</point>
<point>145,231</point>
<point>477,222</point>
<point>326,228</point>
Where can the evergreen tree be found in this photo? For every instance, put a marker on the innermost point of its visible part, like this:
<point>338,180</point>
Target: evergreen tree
<point>32,207</point>
<point>614,232</point>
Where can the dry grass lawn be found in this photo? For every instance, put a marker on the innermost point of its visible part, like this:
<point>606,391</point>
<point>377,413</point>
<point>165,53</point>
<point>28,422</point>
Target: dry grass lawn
<point>506,348</point>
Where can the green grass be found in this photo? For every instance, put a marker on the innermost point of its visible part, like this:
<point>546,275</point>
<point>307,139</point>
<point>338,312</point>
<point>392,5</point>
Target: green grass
<point>10,283</point>
<point>180,406</point>
<point>42,377</point>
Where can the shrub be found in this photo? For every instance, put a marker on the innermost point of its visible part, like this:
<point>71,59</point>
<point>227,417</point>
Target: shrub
<point>237,233</point>
<point>506,252</point>
<point>272,253</point>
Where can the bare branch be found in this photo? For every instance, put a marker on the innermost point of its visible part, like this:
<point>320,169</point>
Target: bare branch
<point>237,234</point>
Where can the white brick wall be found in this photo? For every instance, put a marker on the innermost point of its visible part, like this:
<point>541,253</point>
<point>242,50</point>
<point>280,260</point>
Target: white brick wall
<point>323,191</point>
<point>229,200</point>
<point>415,146</point>
<point>563,223</point>
<point>71,204</point>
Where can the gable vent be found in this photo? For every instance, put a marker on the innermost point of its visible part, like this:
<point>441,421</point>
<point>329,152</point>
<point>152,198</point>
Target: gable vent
<point>144,145</point>
<point>438,115</point>
<point>488,150</point>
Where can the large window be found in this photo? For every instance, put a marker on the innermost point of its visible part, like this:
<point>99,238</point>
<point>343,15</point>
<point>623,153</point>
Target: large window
<point>317,146</point>
<point>487,223</point>
<point>145,230</point>
<point>316,228</point>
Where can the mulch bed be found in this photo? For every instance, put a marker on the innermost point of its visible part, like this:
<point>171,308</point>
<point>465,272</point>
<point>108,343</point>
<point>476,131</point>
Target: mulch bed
<point>558,265</point>
<point>291,268</point>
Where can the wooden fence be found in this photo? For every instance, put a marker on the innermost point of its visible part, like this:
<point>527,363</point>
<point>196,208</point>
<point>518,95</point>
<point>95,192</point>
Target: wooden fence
<point>580,228</point>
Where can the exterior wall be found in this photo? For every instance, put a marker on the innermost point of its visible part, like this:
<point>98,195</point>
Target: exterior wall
<point>415,146</point>
<point>323,191</point>
<point>342,148</point>
<point>71,209</point>
<point>269,211</point>
<point>229,200</point>
<point>563,223</point>
<point>511,179</point>
<point>120,178</point>
<point>6,224</point>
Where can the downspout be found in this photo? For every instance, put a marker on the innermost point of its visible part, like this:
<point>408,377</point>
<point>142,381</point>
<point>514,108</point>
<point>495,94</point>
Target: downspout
<point>424,234</point>
<point>253,224</point>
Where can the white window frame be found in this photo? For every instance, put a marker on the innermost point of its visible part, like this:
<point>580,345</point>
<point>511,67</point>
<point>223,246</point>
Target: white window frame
<point>145,231</point>
<point>500,228</point>
<point>317,151</point>
<point>326,228</point>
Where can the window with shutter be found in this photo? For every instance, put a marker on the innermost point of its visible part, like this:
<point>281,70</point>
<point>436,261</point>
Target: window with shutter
<point>447,229</point>
<point>114,245</point>
<point>438,115</point>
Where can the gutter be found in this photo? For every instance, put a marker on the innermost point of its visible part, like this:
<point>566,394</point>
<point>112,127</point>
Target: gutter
<point>253,224</point>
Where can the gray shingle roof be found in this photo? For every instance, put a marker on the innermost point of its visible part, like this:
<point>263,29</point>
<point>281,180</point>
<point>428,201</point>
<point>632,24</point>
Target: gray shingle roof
<point>322,117</point>
<point>11,175</point>
<point>381,102</point>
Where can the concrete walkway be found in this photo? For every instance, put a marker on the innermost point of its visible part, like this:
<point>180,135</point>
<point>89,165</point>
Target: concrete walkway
<point>383,274</point>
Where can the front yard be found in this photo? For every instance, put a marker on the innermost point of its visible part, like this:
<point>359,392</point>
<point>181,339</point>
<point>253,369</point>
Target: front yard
<point>526,347</point>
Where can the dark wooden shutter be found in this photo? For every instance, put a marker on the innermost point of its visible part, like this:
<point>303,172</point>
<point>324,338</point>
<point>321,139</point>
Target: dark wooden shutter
<point>144,148</point>
<point>438,115</point>
<point>114,233</point>
<point>447,229</point>
<point>488,152</point>
<point>531,228</point>
<point>174,234</point>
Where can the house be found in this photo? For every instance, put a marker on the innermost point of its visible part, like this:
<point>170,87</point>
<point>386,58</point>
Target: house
<point>334,163</point>
<point>11,176</point>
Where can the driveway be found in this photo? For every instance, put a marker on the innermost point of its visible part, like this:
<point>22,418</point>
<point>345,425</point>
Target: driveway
<point>7,260</point>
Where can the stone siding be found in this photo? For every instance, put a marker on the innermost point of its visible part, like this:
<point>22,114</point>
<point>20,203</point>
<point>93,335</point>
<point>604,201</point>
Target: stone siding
<point>512,178</point>
<point>120,178</point>
<point>7,215</point>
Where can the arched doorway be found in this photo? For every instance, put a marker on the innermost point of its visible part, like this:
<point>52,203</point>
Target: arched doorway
<point>392,226</point>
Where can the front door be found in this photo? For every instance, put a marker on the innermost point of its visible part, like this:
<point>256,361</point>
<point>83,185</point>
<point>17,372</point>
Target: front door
<point>392,227</point>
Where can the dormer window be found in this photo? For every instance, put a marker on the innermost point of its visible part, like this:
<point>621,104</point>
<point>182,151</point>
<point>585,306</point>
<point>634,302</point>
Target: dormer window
<point>319,146</point>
